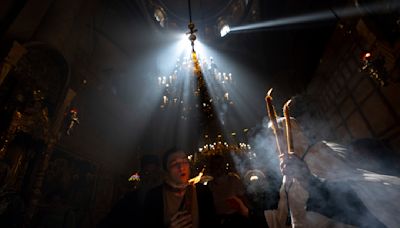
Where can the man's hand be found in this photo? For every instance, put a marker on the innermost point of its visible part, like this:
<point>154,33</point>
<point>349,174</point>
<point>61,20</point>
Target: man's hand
<point>293,167</point>
<point>182,219</point>
<point>237,204</point>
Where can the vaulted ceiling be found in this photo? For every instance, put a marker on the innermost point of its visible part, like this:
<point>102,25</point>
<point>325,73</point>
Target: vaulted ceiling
<point>120,55</point>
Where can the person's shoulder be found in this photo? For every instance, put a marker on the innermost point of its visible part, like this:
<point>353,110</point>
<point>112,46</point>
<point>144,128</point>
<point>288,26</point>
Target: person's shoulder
<point>234,176</point>
<point>204,194</point>
<point>233,179</point>
<point>155,190</point>
<point>154,193</point>
<point>202,189</point>
<point>130,196</point>
<point>153,197</point>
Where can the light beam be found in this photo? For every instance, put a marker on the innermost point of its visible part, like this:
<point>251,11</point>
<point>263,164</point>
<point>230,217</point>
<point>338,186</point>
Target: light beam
<point>332,14</point>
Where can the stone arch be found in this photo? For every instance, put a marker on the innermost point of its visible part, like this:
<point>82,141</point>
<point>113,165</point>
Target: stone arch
<point>44,68</point>
<point>33,94</point>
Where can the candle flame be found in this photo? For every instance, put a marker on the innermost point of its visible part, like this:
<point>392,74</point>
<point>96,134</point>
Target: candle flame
<point>286,105</point>
<point>269,92</point>
<point>197,178</point>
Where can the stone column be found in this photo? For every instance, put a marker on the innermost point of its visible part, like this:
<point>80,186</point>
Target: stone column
<point>46,156</point>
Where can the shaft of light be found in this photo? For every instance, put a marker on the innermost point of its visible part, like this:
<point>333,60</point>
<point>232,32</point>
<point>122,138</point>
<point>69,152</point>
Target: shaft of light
<point>332,14</point>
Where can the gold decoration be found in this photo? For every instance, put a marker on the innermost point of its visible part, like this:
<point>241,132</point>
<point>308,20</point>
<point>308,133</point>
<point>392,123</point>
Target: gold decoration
<point>33,120</point>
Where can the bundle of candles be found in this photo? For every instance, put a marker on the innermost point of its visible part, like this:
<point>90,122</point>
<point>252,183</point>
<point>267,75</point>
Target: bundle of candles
<point>197,178</point>
<point>278,131</point>
<point>279,135</point>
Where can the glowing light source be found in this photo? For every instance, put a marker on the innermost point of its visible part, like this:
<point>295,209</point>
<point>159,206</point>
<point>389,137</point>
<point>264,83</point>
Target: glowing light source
<point>254,175</point>
<point>221,148</point>
<point>374,67</point>
<point>197,178</point>
<point>226,96</point>
<point>225,30</point>
<point>134,177</point>
<point>253,178</point>
<point>160,16</point>
<point>332,14</point>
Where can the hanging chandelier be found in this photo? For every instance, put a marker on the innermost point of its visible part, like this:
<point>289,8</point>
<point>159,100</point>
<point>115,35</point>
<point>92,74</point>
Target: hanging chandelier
<point>172,84</point>
<point>192,29</point>
<point>199,91</point>
<point>374,67</point>
<point>219,145</point>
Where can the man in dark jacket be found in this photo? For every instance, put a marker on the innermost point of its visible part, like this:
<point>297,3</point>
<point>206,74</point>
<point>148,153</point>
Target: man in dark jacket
<point>127,211</point>
<point>176,203</point>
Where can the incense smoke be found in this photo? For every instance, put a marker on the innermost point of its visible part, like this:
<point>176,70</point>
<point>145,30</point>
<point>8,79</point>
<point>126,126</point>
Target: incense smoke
<point>340,188</point>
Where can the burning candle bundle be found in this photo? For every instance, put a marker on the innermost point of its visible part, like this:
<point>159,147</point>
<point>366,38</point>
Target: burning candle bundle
<point>279,135</point>
<point>275,127</point>
<point>273,118</point>
<point>197,178</point>
<point>289,135</point>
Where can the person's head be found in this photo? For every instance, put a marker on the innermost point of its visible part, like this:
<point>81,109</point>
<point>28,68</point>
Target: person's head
<point>176,164</point>
<point>149,163</point>
<point>217,165</point>
<point>150,173</point>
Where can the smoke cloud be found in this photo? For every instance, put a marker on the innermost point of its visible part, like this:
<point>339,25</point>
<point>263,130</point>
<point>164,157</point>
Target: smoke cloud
<point>343,187</point>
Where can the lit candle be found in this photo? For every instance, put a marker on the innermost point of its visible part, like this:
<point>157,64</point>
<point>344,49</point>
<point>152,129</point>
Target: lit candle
<point>289,136</point>
<point>273,119</point>
<point>226,96</point>
<point>197,178</point>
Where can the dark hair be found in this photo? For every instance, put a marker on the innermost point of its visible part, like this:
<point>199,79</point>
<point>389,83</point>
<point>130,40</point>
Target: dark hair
<point>149,159</point>
<point>167,154</point>
<point>217,160</point>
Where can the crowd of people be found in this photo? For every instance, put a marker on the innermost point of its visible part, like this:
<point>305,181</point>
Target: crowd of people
<point>322,185</point>
<point>169,200</point>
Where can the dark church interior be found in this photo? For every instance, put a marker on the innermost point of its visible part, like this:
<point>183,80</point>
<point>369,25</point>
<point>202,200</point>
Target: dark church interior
<point>94,92</point>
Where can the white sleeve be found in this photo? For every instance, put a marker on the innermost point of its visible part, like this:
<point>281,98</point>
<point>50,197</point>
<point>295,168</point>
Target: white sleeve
<point>298,197</point>
<point>277,218</point>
